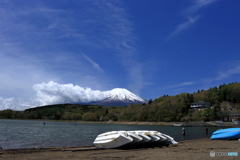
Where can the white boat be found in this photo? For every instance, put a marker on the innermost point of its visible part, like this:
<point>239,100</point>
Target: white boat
<point>177,125</point>
<point>158,134</point>
<point>153,137</point>
<point>136,138</point>
<point>163,137</point>
<point>116,139</point>
<point>112,139</point>
<point>170,140</point>
<point>142,134</point>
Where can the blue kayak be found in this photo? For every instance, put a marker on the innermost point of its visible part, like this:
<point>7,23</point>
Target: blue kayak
<point>229,133</point>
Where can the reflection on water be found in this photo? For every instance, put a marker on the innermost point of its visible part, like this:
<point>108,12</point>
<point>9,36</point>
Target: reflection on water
<point>31,134</point>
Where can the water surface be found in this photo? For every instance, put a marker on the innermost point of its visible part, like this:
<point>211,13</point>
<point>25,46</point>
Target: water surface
<point>16,134</point>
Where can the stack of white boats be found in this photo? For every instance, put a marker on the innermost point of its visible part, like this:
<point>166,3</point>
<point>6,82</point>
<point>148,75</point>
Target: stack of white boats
<point>116,139</point>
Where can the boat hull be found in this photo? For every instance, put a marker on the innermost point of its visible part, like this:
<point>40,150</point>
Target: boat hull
<point>177,125</point>
<point>112,139</point>
<point>229,133</point>
<point>143,135</point>
<point>136,138</point>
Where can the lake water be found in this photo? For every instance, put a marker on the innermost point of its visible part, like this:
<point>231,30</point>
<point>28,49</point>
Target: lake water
<point>15,134</point>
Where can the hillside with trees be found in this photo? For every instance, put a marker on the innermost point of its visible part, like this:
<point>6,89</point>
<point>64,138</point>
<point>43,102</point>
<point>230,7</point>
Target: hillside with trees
<point>177,108</point>
<point>223,99</point>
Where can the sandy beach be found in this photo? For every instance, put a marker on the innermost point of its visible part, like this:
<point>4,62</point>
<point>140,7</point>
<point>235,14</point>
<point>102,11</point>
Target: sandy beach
<point>190,149</point>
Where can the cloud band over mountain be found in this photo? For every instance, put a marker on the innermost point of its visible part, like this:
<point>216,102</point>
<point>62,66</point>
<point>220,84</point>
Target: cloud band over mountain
<point>54,93</point>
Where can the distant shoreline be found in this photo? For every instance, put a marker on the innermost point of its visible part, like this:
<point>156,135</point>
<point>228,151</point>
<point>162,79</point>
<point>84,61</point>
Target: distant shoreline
<point>186,124</point>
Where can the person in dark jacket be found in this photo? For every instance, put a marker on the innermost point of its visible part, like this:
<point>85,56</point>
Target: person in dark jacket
<point>206,129</point>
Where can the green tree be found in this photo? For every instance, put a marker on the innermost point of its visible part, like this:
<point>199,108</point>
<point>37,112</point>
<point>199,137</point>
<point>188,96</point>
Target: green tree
<point>89,116</point>
<point>150,101</point>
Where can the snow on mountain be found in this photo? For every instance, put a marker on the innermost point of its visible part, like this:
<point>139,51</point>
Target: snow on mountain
<point>120,97</point>
<point>122,94</point>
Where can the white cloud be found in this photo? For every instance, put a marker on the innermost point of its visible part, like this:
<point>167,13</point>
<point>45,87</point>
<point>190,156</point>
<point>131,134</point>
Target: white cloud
<point>198,4</point>
<point>228,73</point>
<point>54,93</point>
<point>189,12</point>
<point>6,103</point>
<point>18,73</point>
<point>94,64</point>
<point>14,104</point>
<point>184,26</point>
<point>222,75</point>
<point>180,85</point>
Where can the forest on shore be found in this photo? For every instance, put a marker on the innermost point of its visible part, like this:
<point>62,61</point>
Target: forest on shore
<point>163,109</point>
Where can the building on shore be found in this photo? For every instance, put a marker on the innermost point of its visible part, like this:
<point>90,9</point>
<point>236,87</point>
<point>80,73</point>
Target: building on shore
<point>234,116</point>
<point>200,105</point>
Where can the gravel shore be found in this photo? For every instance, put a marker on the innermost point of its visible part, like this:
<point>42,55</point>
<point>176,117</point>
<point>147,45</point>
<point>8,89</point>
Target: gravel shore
<point>190,149</point>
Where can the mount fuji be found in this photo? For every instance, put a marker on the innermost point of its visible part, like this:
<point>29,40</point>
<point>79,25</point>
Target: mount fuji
<point>119,97</point>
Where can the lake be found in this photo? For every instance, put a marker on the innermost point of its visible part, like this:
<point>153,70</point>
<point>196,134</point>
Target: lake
<point>18,134</point>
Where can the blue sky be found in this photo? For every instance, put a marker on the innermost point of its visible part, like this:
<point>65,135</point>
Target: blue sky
<point>57,51</point>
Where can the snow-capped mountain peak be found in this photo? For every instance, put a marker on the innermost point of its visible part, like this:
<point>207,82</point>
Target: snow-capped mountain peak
<point>122,94</point>
<point>120,97</point>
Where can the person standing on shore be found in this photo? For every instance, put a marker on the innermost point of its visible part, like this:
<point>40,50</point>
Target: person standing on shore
<point>183,131</point>
<point>206,129</point>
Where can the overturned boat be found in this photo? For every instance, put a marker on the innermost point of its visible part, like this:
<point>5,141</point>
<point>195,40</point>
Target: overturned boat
<point>136,138</point>
<point>116,139</point>
<point>112,139</point>
<point>226,134</point>
<point>144,135</point>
